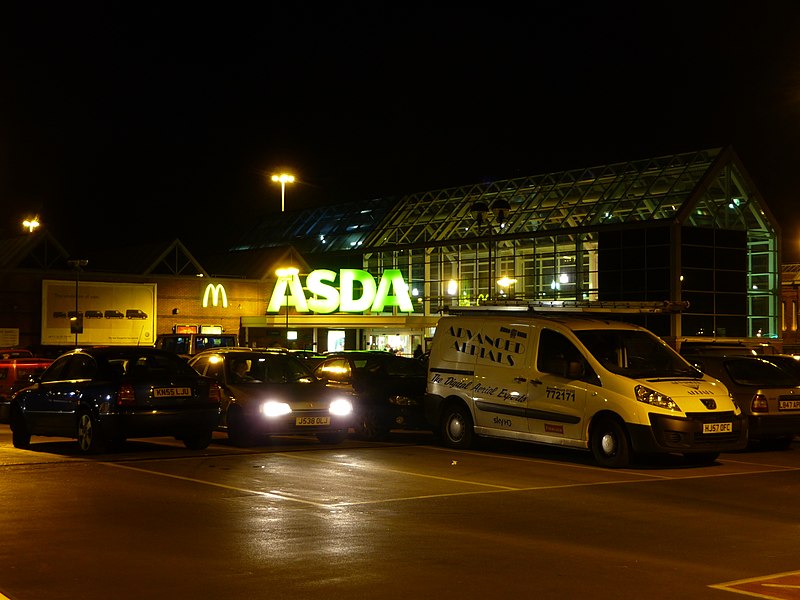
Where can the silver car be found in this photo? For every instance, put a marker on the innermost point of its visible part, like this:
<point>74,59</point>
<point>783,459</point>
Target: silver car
<point>766,393</point>
<point>273,393</point>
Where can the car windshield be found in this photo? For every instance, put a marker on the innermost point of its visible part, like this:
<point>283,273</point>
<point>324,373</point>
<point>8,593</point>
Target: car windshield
<point>758,373</point>
<point>269,368</point>
<point>635,353</point>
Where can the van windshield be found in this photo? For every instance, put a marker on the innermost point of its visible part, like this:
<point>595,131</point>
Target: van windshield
<point>636,354</point>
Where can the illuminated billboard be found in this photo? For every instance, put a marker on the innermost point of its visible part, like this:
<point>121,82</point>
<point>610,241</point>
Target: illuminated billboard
<point>114,314</point>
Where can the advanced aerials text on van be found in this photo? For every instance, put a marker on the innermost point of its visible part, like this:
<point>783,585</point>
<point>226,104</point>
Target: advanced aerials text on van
<point>609,387</point>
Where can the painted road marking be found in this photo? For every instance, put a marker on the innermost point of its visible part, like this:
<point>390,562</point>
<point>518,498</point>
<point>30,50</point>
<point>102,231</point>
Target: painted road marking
<point>780,586</point>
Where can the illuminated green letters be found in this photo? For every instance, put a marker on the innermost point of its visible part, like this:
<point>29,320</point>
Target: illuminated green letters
<point>357,292</point>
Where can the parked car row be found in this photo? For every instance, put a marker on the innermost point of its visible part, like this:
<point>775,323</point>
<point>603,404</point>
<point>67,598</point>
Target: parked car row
<point>252,393</point>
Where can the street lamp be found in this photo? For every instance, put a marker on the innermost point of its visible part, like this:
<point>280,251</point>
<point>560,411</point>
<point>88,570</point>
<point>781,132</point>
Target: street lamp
<point>76,323</point>
<point>283,179</point>
<point>31,224</point>
<point>482,213</point>
<point>287,274</point>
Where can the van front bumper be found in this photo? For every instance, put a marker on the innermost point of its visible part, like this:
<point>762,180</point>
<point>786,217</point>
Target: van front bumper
<point>685,434</point>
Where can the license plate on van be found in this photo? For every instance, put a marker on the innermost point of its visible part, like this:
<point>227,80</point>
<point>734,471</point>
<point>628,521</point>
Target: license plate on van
<point>717,427</point>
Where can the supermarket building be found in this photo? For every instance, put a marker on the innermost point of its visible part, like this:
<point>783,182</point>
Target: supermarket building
<point>683,244</point>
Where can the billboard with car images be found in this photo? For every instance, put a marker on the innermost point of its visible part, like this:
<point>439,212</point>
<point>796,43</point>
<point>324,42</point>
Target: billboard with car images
<point>98,313</point>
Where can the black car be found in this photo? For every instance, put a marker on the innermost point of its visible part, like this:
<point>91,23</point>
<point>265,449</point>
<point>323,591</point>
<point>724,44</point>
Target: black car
<point>267,392</point>
<point>389,389</point>
<point>104,395</point>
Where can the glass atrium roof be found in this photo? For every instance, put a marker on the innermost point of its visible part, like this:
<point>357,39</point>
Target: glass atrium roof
<point>706,188</point>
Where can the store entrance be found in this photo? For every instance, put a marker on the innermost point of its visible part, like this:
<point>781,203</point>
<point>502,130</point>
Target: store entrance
<point>400,343</point>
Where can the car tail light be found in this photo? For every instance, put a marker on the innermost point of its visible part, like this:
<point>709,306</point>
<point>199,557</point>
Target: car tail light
<point>214,393</point>
<point>759,404</point>
<point>126,396</point>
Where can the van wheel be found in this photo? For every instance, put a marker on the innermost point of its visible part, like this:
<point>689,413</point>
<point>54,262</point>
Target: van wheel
<point>609,444</point>
<point>457,428</point>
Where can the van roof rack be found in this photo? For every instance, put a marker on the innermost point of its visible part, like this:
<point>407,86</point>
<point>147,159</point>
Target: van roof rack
<point>570,306</point>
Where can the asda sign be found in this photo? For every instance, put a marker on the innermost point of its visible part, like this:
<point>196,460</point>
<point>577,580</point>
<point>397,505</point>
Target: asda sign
<point>356,291</point>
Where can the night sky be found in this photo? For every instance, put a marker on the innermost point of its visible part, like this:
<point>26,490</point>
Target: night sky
<point>138,121</point>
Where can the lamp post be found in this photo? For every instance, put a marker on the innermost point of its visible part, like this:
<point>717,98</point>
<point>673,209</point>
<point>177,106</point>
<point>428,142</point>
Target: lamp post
<point>287,274</point>
<point>283,179</point>
<point>76,323</point>
<point>482,212</point>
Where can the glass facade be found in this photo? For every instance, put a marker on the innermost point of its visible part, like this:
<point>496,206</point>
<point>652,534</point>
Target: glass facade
<point>687,227</point>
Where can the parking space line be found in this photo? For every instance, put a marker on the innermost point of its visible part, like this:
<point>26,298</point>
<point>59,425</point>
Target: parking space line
<point>492,488</point>
<point>410,473</point>
<point>219,485</point>
<point>778,586</point>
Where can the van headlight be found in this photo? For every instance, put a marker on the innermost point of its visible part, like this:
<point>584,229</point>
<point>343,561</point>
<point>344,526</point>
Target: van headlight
<point>648,396</point>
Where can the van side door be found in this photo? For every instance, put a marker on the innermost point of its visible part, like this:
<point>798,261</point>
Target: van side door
<point>561,378</point>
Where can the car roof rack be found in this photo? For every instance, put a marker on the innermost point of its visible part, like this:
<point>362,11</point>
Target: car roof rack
<point>569,306</point>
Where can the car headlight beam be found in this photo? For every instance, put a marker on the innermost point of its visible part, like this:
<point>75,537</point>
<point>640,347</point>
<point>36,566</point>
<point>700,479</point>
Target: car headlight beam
<point>273,408</point>
<point>341,407</point>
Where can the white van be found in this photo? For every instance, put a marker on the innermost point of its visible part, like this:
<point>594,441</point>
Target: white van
<point>577,381</point>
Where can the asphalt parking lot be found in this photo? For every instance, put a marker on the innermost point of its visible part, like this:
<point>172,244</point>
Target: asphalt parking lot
<point>402,519</point>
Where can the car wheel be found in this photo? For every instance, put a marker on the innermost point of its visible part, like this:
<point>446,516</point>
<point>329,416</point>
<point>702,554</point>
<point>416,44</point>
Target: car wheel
<point>370,425</point>
<point>89,435</point>
<point>457,427</point>
<point>332,438</point>
<point>20,436</point>
<point>199,440</point>
<point>239,430</point>
<point>701,458</point>
<point>609,444</point>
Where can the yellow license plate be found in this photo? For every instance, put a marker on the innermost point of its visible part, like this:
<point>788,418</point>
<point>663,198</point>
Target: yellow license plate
<point>300,421</point>
<point>788,404</point>
<point>717,427</point>
<point>172,392</point>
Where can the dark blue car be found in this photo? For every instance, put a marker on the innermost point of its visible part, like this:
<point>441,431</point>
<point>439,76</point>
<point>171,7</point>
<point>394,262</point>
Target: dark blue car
<point>105,395</point>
